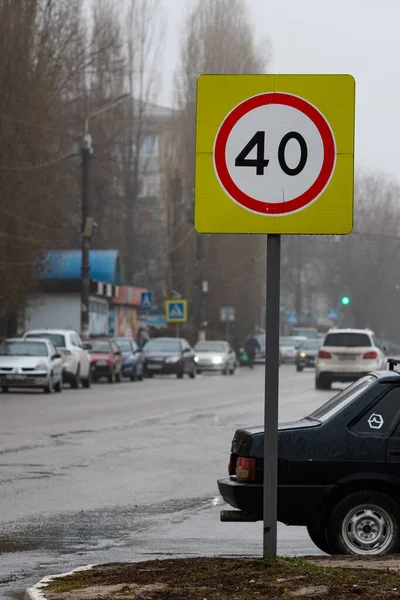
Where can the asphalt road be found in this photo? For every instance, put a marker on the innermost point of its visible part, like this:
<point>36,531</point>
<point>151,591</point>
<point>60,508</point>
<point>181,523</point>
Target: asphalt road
<point>128,472</point>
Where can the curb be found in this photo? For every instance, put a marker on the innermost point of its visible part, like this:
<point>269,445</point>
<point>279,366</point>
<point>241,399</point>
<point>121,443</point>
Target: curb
<point>36,592</point>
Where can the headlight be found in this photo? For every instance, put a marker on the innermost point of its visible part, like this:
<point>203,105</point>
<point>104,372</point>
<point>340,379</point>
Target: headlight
<point>172,359</point>
<point>196,359</point>
<point>217,360</point>
<point>303,355</point>
<point>41,367</point>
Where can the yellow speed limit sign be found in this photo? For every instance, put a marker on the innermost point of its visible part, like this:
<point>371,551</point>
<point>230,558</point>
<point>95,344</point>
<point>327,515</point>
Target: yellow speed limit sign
<point>275,154</point>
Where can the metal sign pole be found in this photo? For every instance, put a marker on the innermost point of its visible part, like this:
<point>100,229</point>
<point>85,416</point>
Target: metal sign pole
<point>270,500</point>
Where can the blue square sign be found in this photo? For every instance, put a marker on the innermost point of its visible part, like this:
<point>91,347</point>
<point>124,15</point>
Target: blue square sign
<point>146,300</point>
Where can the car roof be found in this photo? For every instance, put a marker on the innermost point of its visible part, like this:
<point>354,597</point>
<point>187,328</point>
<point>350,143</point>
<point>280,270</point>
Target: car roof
<point>387,376</point>
<point>41,340</point>
<point>350,330</point>
<point>56,331</point>
<point>211,342</point>
<point>165,339</point>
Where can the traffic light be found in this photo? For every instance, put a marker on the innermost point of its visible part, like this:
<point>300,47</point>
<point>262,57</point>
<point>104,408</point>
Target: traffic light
<point>345,300</point>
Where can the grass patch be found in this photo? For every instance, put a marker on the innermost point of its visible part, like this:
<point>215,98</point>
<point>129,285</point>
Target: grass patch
<point>231,579</point>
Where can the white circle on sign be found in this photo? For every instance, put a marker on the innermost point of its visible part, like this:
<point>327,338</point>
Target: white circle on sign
<point>275,185</point>
<point>274,154</point>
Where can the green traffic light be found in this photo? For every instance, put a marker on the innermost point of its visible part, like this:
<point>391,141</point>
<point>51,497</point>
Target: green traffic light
<point>345,300</point>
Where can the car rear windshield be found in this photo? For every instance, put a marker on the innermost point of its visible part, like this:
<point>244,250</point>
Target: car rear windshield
<point>57,339</point>
<point>23,349</point>
<point>289,342</point>
<point>124,345</point>
<point>351,340</point>
<point>338,402</point>
<point>311,344</point>
<point>162,346</point>
<point>99,346</point>
<point>211,348</point>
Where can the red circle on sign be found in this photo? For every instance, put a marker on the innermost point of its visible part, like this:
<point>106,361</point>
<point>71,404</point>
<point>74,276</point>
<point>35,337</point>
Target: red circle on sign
<point>320,183</point>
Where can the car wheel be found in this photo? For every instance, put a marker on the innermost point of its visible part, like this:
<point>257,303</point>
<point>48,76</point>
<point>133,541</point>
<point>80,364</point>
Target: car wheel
<point>58,386</point>
<point>318,537</point>
<point>364,523</point>
<point>87,381</point>
<point>48,389</point>
<point>299,369</point>
<point>118,377</point>
<point>4,389</point>
<point>322,383</point>
<point>150,375</point>
<point>76,378</point>
<point>193,372</point>
<point>180,374</point>
<point>232,371</point>
<point>133,377</point>
<point>111,377</point>
<point>140,375</point>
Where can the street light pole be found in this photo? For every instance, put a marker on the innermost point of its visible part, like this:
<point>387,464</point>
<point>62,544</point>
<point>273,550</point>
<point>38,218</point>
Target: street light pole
<point>86,154</point>
<point>87,219</point>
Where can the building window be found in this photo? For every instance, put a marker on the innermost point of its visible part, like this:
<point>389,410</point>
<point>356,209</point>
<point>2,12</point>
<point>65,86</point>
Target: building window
<point>148,145</point>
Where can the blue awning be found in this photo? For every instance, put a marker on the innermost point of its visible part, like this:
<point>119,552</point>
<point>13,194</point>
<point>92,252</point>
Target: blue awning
<point>105,265</point>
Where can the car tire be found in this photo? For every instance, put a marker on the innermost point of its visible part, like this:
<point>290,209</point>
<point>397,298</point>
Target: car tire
<point>299,369</point>
<point>150,375</point>
<point>133,377</point>
<point>322,383</point>
<point>318,537</point>
<point>118,377</point>
<point>58,387</point>
<point>76,378</point>
<point>87,381</point>
<point>111,377</point>
<point>4,389</point>
<point>181,374</point>
<point>346,534</point>
<point>193,372</point>
<point>232,371</point>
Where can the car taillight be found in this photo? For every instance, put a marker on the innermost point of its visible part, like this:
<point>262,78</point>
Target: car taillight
<point>371,355</point>
<point>246,469</point>
<point>324,354</point>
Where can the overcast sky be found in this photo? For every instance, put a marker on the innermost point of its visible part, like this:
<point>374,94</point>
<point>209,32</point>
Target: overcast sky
<point>360,37</point>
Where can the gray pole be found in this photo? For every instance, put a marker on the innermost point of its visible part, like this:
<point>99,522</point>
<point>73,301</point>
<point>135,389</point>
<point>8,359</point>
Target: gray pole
<point>86,152</point>
<point>271,396</point>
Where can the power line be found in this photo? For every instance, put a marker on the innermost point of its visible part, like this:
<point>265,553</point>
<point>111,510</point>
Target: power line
<point>45,165</point>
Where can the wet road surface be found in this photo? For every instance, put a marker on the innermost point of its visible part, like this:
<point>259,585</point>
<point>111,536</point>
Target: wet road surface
<point>128,472</point>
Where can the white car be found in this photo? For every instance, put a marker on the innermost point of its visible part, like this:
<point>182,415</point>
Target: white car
<point>33,363</point>
<point>76,360</point>
<point>347,355</point>
<point>215,356</point>
<point>288,347</point>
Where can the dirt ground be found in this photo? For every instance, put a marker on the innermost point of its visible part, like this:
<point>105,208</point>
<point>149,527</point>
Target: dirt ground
<point>234,579</point>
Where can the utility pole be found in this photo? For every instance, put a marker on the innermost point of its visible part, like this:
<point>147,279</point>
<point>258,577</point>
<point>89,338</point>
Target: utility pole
<point>86,230</point>
<point>87,220</point>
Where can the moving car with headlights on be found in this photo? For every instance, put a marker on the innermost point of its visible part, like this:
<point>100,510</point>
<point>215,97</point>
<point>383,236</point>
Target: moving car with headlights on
<point>215,356</point>
<point>288,348</point>
<point>33,363</point>
<point>346,355</point>
<point>106,360</point>
<point>132,358</point>
<point>169,356</point>
<point>307,353</point>
<point>338,470</point>
<point>76,360</point>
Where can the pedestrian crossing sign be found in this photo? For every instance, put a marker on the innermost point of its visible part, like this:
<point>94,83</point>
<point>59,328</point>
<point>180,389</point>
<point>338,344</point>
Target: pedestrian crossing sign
<point>176,311</point>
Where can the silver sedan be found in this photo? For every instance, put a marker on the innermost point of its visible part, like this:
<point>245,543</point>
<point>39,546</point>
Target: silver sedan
<point>216,356</point>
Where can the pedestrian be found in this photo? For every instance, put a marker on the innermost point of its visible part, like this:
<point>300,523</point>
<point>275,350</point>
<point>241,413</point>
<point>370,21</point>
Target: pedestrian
<point>251,348</point>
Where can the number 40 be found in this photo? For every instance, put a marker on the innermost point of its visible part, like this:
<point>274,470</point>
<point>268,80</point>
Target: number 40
<point>261,163</point>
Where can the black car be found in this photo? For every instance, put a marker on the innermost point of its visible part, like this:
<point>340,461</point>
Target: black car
<point>169,356</point>
<point>338,470</point>
<point>307,353</point>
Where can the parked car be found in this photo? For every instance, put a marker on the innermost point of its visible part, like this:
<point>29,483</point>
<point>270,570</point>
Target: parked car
<point>260,354</point>
<point>288,348</point>
<point>346,355</point>
<point>33,363</point>
<point>106,359</point>
<point>215,356</point>
<point>132,358</point>
<point>76,360</point>
<point>169,356</point>
<point>338,470</point>
<point>307,353</point>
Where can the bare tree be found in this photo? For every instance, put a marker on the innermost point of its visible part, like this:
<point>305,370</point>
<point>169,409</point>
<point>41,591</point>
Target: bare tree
<point>217,38</point>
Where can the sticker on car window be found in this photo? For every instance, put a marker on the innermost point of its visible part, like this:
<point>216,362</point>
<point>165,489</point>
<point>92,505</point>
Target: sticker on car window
<point>375,421</point>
